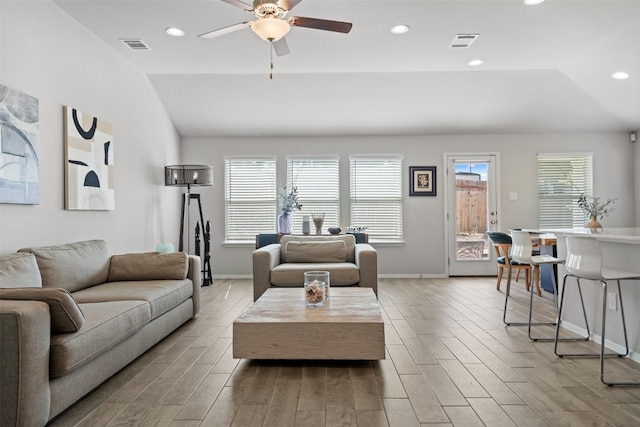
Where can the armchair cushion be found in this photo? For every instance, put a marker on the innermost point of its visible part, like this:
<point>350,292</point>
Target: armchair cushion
<point>65,313</point>
<point>315,251</point>
<point>348,239</point>
<point>292,274</point>
<point>148,266</point>
<point>19,271</point>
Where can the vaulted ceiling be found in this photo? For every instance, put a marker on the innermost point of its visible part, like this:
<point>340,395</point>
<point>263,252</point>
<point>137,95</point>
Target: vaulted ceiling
<point>547,68</point>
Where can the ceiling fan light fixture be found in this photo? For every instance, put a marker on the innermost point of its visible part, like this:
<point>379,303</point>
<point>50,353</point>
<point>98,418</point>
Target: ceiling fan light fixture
<point>270,29</point>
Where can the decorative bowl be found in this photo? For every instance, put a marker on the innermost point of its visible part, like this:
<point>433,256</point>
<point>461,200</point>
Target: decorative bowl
<point>334,230</point>
<point>356,229</point>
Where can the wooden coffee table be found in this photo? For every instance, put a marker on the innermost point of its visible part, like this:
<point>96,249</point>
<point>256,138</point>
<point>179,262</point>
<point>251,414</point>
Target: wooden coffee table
<point>279,326</point>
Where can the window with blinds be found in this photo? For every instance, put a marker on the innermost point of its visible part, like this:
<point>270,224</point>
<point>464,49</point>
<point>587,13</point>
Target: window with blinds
<point>561,180</point>
<point>318,184</point>
<point>250,197</point>
<point>376,195</point>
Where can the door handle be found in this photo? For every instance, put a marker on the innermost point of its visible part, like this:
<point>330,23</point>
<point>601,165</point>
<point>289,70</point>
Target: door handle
<point>493,221</point>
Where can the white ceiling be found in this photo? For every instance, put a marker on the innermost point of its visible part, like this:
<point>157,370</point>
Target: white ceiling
<point>547,68</point>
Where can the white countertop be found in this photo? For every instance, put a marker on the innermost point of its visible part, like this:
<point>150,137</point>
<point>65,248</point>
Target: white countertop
<point>625,234</point>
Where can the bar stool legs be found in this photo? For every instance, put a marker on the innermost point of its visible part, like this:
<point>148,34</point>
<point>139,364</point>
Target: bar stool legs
<point>506,302</point>
<point>530,322</point>
<point>602,354</point>
<point>555,298</point>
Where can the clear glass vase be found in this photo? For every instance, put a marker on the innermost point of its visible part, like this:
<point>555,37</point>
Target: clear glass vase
<point>285,223</point>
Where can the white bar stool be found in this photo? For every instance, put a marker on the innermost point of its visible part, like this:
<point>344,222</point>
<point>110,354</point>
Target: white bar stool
<point>584,261</point>
<point>522,252</point>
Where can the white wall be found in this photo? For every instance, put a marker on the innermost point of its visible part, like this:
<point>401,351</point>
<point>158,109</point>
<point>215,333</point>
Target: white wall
<point>424,232</point>
<point>46,54</point>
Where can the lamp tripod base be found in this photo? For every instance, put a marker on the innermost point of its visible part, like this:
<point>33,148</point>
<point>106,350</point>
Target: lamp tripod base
<point>206,265</point>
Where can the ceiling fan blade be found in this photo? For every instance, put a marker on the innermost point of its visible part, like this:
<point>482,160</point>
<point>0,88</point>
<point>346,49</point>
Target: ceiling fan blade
<point>281,47</point>
<point>226,30</point>
<point>240,4</point>
<point>321,24</point>
<point>288,4</point>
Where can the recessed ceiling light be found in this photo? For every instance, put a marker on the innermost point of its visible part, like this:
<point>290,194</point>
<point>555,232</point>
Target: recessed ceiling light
<point>175,32</point>
<point>400,29</point>
<point>532,2</point>
<point>620,75</point>
<point>475,62</point>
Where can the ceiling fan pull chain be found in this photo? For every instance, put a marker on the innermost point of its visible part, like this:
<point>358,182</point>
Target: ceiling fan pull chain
<point>271,60</point>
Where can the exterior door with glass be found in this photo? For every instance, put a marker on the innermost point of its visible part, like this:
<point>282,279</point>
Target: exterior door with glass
<point>471,191</point>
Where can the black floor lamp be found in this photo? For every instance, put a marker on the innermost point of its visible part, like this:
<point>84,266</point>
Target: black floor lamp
<point>189,176</point>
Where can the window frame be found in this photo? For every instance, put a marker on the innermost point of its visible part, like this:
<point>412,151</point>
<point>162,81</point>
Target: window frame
<point>558,191</point>
<point>320,196</point>
<point>258,208</point>
<point>375,200</point>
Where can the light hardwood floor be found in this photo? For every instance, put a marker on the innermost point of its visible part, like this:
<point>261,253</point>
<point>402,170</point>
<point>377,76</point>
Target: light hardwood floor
<point>450,361</point>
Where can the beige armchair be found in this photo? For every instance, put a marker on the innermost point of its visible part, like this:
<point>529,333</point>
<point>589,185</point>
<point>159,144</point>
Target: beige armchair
<point>283,264</point>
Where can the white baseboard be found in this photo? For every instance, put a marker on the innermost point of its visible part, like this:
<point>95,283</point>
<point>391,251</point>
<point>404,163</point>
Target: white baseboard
<point>412,276</point>
<point>383,276</point>
<point>232,276</point>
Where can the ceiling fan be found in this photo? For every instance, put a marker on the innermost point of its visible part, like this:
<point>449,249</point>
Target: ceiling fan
<point>272,24</point>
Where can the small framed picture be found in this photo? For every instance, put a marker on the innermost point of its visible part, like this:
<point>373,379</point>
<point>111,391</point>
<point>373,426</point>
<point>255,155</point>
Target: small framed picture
<point>422,180</point>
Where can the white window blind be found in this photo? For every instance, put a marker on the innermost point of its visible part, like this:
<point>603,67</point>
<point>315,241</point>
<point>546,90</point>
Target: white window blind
<point>561,180</point>
<point>318,184</point>
<point>250,197</point>
<point>376,195</point>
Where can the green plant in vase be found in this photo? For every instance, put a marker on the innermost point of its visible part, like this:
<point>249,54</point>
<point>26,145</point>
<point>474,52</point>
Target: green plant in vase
<point>288,204</point>
<point>595,208</point>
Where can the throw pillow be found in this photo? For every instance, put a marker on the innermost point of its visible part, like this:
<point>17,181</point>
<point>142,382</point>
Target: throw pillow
<point>149,266</point>
<point>66,315</point>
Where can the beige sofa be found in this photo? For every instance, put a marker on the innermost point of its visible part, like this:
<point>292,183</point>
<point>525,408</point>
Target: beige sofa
<point>283,264</point>
<point>71,316</point>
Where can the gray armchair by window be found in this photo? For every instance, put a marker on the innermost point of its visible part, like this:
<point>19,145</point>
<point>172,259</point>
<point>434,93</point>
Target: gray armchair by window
<point>283,264</point>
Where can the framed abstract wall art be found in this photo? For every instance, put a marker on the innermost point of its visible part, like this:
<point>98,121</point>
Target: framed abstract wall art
<point>88,147</point>
<point>19,161</point>
<point>422,180</point>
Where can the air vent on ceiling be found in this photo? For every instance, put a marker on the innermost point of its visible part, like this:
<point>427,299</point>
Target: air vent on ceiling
<point>463,41</point>
<point>135,44</point>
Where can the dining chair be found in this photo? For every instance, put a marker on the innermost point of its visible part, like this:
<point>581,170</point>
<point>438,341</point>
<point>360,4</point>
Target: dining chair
<point>584,261</point>
<point>522,253</point>
<point>502,245</point>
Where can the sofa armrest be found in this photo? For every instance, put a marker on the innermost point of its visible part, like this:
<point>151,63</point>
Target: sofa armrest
<point>265,259</point>
<point>24,366</point>
<point>194,273</point>
<point>367,262</point>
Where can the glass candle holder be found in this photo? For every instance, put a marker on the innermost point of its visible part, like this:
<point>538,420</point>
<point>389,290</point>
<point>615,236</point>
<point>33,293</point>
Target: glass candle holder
<point>315,288</point>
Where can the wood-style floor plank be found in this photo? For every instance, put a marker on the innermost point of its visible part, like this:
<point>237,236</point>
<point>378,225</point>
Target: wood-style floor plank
<point>450,361</point>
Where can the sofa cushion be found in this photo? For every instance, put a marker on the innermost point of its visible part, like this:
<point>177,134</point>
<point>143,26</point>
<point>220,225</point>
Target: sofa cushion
<point>348,239</point>
<point>315,251</point>
<point>19,271</point>
<point>148,266</point>
<point>65,314</point>
<point>106,325</point>
<point>161,295</point>
<point>72,266</point>
<point>292,274</point>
